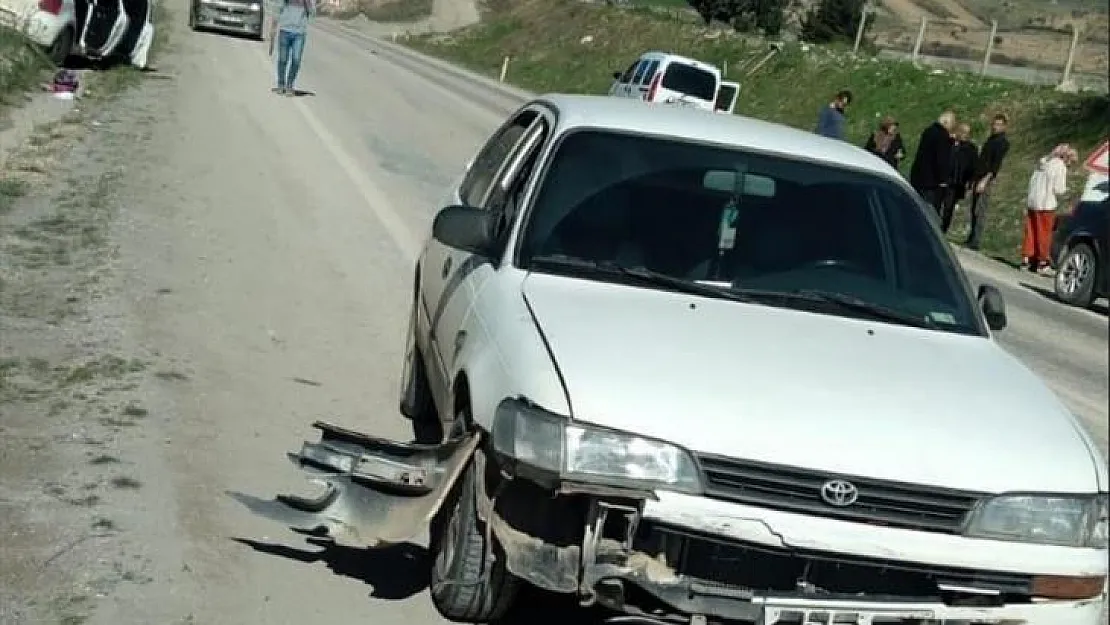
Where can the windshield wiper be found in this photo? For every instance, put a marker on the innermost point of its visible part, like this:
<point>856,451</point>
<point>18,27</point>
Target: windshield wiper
<point>640,275</point>
<point>874,311</point>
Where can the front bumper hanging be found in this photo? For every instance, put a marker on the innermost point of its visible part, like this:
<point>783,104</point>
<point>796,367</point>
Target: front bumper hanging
<point>371,491</point>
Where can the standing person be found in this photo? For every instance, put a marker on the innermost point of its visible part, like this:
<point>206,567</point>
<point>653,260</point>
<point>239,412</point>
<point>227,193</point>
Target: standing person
<point>292,28</point>
<point>886,142</point>
<point>830,121</point>
<point>986,171</point>
<point>932,163</point>
<point>964,155</point>
<point>1049,180</point>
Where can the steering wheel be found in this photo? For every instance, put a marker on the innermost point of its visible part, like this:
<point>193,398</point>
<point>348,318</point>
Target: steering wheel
<point>837,263</point>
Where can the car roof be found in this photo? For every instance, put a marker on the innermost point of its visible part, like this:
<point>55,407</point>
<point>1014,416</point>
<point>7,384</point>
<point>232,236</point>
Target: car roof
<point>671,56</point>
<point>688,123</point>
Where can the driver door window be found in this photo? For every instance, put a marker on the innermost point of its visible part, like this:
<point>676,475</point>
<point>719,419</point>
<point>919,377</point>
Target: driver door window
<point>486,165</point>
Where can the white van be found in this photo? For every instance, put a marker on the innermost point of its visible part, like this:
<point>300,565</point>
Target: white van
<point>673,79</point>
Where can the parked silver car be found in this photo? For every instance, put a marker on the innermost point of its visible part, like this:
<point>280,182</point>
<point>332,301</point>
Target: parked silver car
<point>702,368</point>
<point>244,17</point>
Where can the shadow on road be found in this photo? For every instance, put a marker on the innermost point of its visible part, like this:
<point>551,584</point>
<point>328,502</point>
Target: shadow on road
<point>395,572</point>
<point>1100,306</point>
<point>400,571</point>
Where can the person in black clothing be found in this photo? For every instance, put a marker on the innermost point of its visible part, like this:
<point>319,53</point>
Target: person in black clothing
<point>886,143</point>
<point>932,164</point>
<point>986,171</point>
<point>964,155</point>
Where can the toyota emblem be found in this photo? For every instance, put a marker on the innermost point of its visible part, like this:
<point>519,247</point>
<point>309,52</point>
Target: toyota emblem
<point>839,493</point>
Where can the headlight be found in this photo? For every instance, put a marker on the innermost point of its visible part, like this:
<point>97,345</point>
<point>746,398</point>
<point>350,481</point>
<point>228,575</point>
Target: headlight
<point>255,7</point>
<point>1042,519</point>
<point>579,451</point>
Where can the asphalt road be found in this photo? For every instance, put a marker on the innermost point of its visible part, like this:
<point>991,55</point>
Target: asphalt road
<point>279,235</point>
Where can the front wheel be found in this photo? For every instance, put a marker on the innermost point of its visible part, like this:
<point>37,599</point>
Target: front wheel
<point>416,392</point>
<point>1074,283</point>
<point>469,583</point>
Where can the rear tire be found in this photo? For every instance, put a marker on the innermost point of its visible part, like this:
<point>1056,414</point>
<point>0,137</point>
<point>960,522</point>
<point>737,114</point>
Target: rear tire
<point>465,586</point>
<point>1076,275</point>
<point>60,50</point>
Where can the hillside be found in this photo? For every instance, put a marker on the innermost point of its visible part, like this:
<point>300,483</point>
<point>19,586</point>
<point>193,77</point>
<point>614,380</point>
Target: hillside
<point>1031,32</point>
<point>566,45</point>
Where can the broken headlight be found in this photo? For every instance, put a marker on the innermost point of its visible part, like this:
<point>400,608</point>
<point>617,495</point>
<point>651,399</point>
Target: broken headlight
<point>1066,520</point>
<point>584,452</point>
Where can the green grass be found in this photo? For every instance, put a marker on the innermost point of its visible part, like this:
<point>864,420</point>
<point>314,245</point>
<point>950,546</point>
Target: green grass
<point>543,39</point>
<point>22,66</point>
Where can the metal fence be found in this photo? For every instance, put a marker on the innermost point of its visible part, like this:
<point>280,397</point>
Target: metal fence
<point>1074,57</point>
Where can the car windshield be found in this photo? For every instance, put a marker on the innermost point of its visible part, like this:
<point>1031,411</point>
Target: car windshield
<point>693,81</point>
<point>662,213</point>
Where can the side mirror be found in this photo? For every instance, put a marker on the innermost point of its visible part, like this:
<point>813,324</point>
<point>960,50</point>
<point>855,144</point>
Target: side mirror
<point>465,228</point>
<point>616,75</point>
<point>993,306</point>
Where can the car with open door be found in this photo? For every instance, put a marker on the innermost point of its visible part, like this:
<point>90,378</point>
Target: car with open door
<point>701,369</point>
<point>664,77</point>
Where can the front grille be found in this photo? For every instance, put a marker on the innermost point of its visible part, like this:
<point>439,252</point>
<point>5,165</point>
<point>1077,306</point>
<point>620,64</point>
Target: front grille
<point>788,572</point>
<point>797,490</point>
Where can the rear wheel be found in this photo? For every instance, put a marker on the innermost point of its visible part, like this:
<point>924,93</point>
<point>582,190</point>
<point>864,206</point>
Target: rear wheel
<point>468,585</point>
<point>1075,277</point>
<point>60,50</point>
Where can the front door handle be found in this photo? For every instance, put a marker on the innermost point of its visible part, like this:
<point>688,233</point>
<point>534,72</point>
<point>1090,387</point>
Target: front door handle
<point>446,267</point>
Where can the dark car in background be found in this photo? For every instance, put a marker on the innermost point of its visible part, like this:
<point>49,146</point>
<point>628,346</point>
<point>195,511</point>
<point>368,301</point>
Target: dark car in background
<point>1079,248</point>
<point>243,17</point>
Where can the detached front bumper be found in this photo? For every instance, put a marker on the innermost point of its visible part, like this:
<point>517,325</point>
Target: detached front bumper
<point>601,547</point>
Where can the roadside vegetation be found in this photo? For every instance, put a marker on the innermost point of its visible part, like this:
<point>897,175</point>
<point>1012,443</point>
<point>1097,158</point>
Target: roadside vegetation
<point>570,46</point>
<point>22,66</point>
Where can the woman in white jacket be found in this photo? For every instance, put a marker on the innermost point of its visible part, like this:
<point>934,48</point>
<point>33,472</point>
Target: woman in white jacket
<point>1048,181</point>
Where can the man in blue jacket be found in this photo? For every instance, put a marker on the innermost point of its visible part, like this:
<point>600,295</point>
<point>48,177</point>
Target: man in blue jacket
<point>292,28</point>
<point>830,121</point>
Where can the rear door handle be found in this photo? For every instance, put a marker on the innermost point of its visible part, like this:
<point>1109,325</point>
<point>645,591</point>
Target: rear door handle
<point>446,267</point>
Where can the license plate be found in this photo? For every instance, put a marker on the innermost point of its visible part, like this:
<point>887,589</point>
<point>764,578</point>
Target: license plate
<point>230,21</point>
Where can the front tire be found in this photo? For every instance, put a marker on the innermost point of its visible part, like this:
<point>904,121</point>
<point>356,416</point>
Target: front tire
<point>416,392</point>
<point>466,586</point>
<point>1074,283</point>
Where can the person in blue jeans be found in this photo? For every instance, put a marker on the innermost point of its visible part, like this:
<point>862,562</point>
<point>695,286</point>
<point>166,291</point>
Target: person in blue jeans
<point>292,27</point>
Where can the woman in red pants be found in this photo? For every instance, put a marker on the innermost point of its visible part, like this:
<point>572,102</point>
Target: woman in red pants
<point>1048,181</point>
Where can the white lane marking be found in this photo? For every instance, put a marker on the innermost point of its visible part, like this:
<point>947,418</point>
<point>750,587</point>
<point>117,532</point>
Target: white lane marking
<point>375,198</point>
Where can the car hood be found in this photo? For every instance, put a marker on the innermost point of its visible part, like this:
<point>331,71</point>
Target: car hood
<point>846,396</point>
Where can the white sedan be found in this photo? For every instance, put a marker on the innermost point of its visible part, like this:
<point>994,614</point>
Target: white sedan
<point>703,368</point>
<point>51,24</point>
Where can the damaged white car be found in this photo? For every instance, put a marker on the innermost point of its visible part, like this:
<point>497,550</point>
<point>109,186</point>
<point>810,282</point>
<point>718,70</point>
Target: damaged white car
<point>705,369</point>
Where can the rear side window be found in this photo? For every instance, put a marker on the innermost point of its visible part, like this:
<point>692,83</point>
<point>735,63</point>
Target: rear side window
<point>692,81</point>
<point>627,75</point>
